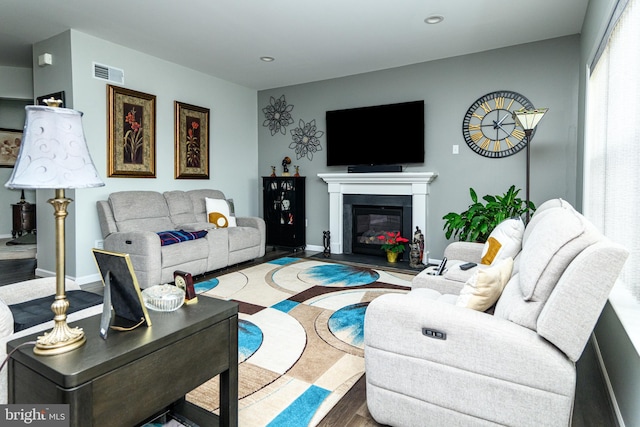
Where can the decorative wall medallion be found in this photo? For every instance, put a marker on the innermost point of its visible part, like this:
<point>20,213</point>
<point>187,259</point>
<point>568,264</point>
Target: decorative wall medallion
<point>277,115</point>
<point>306,139</point>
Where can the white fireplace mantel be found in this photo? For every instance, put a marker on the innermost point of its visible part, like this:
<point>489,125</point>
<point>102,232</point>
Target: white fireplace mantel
<point>415,184</point>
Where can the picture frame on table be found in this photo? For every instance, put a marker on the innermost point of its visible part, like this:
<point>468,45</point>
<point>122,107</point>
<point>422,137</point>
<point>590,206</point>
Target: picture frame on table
<point>10,141</point>
<point>191,141</point>
<point>131,133</point>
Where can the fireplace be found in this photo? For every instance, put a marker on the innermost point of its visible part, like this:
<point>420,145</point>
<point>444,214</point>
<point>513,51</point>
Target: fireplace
<point>415,185</point>
<point>371,225</point>
<point>367,216</point>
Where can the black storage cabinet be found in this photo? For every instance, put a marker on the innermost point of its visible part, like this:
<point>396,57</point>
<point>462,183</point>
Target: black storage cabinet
<point>284,211</point>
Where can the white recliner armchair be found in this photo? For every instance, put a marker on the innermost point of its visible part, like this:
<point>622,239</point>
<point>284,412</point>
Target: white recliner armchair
<point>431,361</point>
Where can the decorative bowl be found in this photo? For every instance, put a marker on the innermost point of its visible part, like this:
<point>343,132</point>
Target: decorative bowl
<point>163,297</point>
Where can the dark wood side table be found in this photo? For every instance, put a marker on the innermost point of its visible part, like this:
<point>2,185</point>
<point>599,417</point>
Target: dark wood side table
<point>132,376</point>
<point>24,219</point>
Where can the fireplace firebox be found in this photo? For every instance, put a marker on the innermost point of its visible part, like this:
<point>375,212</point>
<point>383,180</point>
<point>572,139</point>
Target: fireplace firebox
<point>367,216</point>
<point>370,223</point>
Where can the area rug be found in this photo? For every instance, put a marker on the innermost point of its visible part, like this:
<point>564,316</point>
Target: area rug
<point>300,336</point>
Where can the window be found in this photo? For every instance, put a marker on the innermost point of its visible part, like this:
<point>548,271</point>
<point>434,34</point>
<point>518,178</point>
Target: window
<point>612,151</point>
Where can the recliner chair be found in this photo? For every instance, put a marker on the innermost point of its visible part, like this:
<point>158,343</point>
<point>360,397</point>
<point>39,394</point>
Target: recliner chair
<point>430,362</point>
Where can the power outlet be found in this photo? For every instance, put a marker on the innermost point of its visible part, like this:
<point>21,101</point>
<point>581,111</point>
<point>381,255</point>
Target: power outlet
<point>98,244</point>
<point>456,149</point>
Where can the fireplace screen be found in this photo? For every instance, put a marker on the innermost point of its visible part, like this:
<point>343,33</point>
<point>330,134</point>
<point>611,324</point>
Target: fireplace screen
<point>370,222</point>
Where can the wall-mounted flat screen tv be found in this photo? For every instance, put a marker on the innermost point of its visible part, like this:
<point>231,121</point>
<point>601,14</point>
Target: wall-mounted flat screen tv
<point>391,134</point>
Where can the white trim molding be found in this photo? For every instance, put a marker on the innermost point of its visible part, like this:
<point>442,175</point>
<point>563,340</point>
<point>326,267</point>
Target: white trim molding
<point>415,184</point>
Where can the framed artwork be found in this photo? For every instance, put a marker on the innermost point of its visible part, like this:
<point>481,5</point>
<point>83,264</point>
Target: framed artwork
<point>10,141</point>
<point>131,133</point>
<point>56,95</point>
<point>191,141</point>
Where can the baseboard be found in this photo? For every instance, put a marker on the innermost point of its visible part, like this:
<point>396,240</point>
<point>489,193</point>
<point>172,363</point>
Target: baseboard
<point>605,376</point>
<point>81,280</point>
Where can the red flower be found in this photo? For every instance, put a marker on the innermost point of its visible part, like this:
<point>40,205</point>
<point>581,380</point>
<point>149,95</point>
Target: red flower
<point>195,125</point>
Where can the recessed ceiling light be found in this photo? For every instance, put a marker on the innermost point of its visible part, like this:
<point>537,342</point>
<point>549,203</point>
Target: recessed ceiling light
<point>267,58</point>
<point>434,19</point>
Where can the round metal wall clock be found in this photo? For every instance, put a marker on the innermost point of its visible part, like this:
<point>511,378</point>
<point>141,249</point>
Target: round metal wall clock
<point>489,128</point>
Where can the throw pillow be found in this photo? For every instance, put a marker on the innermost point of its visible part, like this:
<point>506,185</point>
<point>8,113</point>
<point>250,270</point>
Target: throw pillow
<point>483,289</point>
<point>218,213</point>
<point>504,241</point>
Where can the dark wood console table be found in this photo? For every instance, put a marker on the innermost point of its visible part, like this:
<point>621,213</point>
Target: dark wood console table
<point>132,376</point>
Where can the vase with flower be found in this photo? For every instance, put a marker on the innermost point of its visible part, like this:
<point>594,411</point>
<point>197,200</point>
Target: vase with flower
<point>393,244</point>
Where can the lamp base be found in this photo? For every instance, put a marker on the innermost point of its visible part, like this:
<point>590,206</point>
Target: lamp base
<point>61,338</point>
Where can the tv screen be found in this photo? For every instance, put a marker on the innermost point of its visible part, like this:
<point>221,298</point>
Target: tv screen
<point>380,135</point>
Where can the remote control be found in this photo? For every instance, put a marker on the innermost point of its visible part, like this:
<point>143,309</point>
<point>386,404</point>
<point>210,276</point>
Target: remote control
<point>468,265</point>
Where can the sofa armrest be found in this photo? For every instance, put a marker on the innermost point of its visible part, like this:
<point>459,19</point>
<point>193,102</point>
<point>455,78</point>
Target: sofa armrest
<point>250,221</point>
<point>476,342</point>
<point>464,251</point>
<point>134,243</point>
<point>16,293</point>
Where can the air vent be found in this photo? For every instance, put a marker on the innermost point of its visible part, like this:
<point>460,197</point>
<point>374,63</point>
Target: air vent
<point>110,74</point>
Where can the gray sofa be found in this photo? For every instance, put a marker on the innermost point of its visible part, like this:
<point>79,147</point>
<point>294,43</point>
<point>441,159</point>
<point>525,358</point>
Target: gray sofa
<point>130,221</point>
<point>431,362</point>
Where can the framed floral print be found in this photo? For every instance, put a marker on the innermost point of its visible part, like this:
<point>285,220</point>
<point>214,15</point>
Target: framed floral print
<point>131,133</point>
<point>10,141</point>
<point>192,141</point>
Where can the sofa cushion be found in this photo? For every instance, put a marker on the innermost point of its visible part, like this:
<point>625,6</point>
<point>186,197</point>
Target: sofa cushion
<point>36,311</point>
<point>176,236</point>
<point>218,213</point>
<point>180,207</point>
<point>483,289</point>
<point>505,241</point>
<point>140,211</point>
<point>558,236</point>
<point>198,198</point>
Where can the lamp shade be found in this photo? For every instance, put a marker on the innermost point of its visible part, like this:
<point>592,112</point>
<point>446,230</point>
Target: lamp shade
<point>529,119</point>
<point>54,152</point>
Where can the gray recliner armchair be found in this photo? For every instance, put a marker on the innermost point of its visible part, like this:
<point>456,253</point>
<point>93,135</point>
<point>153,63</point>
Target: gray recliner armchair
<point>431,362</point>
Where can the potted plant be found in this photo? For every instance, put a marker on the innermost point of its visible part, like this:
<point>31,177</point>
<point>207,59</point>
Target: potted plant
<point>392,244</point>
<point>478,221</point>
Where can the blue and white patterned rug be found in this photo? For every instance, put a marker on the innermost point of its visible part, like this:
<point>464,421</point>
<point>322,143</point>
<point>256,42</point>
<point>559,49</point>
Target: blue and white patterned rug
<point>300,336</point>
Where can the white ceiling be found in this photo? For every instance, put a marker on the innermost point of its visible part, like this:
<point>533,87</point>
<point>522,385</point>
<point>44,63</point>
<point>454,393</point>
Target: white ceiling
<point>310,40</point>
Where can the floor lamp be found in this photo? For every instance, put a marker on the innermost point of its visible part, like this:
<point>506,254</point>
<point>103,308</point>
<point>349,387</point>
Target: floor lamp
<point>528,120</point>
<point>54,155</point>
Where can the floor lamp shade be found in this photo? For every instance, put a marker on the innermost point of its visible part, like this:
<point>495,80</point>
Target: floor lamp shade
<point>54,155</point>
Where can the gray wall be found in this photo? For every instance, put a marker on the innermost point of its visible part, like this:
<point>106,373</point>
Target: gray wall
<point>233,139</point>
<point>621,359</point>
<point>545,72</point>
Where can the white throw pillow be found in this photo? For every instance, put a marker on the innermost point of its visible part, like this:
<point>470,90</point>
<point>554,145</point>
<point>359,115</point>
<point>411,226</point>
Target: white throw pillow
<point>218,213</point>
<point>504,241</point>
<point>483,289</point>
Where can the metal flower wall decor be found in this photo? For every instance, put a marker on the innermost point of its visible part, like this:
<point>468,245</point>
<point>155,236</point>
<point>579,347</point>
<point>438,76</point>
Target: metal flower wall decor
<point>277,115</point>
<point>306,139</point>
